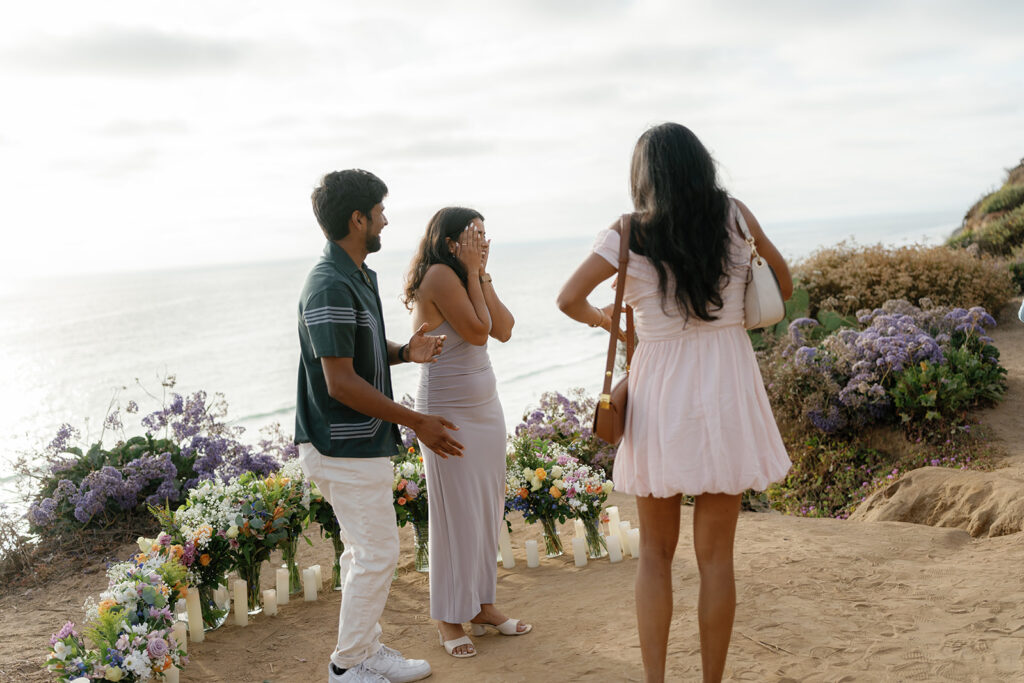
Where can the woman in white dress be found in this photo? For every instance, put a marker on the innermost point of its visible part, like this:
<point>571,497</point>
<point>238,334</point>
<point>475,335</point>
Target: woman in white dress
<point>698,420</point>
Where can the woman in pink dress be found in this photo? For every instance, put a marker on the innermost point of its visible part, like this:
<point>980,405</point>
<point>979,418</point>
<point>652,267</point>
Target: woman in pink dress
<point>698,420</point>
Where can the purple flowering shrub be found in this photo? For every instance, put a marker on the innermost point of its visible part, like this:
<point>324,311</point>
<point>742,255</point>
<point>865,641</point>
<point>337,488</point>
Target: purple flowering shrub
<point>185,442</point>
<point>905,364</point>
<point>567,420</point>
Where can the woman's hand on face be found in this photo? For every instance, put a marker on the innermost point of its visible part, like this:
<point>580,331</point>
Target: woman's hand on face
<point>469,249</point>
<point>485,252</point>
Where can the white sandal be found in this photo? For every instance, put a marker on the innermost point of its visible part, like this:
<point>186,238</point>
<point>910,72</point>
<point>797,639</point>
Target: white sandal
<point>450,645</point>
<point>509,627</point>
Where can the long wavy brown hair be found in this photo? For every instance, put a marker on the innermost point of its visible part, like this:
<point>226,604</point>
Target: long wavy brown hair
<point>448,223</point>
<point>682,218</point>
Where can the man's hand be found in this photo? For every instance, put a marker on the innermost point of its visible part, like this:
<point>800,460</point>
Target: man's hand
<point>432,431</point>
<point>424,348</point>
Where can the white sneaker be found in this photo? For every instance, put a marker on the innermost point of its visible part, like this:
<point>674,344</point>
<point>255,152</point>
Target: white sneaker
<point>396,668</point>
<point>356,674</point>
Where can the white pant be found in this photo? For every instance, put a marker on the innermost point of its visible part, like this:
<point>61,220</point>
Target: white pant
<point>359,490</point>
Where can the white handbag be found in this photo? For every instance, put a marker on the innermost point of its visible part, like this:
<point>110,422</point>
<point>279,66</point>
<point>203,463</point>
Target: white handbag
<point>762,304</point>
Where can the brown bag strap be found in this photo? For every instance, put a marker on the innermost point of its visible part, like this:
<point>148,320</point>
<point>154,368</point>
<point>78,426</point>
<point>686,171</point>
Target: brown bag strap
<point>620,285</point>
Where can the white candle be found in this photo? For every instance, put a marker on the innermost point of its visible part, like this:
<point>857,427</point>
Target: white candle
<point>532,558</point>
<point>220,597</point>
<point>171,675</point>
<point>581,531</point>
<point>614,549</point>
<point>195,614</point>
<point>178,630</point>
<point>505,545</point>
<point>613,523</point>
<point>318,575</point>
<point>579,551</point>
<point>282,586</point>
<point>624,537</point>
<point>270,602</point>
<point>241,603</point>
<point>634,542</point>
<point>309,584</point>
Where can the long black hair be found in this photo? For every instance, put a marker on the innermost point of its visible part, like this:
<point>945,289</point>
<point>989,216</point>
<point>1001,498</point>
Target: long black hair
<point>448,223</point>
<point>682,214</point>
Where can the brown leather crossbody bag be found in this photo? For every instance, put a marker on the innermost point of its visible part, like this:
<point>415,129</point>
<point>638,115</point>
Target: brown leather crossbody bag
<point>610,415</point>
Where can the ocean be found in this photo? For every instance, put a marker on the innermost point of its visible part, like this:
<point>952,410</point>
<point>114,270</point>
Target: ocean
<point>74,346</point>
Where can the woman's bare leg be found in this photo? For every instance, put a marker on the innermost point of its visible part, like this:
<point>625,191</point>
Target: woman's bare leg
<point>659,535</point>
<point>714,531</point>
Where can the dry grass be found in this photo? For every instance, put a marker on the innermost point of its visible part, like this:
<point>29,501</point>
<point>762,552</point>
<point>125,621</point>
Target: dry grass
<point>849,277</point>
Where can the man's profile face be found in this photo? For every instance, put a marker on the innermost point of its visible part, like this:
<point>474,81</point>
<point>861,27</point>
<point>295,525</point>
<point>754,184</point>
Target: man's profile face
<point>376,224</point>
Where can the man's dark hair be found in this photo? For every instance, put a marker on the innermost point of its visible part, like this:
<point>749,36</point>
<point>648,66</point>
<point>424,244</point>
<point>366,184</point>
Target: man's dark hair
<point>342,192</point>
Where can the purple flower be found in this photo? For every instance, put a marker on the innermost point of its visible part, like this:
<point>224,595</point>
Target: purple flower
<point>157,648</point>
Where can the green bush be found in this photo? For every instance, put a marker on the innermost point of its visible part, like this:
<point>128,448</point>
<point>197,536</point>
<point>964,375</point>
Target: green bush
<point>830,478</point>
<point>997,237</point>
<point>1006,198</point>
<point>931,392</point>
<point>847,278</point>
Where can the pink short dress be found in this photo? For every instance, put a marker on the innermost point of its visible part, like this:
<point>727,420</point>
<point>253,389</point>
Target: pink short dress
<point>698,419</point>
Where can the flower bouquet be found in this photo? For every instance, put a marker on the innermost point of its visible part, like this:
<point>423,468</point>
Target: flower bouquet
<point>534,485</point>
<point>321,512</point>
<point>289,490</point>
<point>259,527</point>
<point>586,490</point>
<point>410,489</point>
<point>201,527</point>
<point>130,629</point>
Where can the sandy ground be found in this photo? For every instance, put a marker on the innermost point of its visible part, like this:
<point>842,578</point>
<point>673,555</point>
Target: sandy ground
<point>819,600</point>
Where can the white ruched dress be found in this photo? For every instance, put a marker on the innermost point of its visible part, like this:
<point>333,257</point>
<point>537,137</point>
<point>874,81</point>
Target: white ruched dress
<point>698,418</point>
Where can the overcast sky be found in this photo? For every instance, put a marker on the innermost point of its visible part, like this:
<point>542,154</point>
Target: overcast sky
<point>144,134</point>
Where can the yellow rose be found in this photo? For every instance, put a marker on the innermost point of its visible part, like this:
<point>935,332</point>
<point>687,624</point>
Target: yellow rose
<point>535,485</point>
<point>560,483</point>
<point>540,473</point>
<point>556,472</point>
<point>145,544</point>
<point>607,487</point>
<point>114,673</point>
<point>232,531</point>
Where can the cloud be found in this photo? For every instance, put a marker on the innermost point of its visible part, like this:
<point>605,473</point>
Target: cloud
<point>129,128</point>
<point>133,51</point>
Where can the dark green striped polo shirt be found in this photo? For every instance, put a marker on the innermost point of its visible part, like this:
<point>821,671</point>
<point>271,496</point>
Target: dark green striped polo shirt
<point>340,316</point>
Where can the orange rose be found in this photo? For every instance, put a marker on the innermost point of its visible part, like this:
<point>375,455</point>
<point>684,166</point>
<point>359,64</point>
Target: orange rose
<point>167,663</point>
<point>401,501</point>
<point>402,484</point>
<point>204,559</point>
<point>524,492</point>
<point>105,605</point>
<point>555,493</point>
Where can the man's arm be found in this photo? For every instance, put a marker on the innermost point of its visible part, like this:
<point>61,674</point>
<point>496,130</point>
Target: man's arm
<point>346,386</point>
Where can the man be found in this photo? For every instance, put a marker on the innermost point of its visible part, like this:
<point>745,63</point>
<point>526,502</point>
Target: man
<point>346,419</point>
